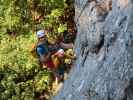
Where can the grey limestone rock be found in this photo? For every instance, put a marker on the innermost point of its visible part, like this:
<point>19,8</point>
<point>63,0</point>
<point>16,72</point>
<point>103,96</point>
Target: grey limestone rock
<point>104,48</point>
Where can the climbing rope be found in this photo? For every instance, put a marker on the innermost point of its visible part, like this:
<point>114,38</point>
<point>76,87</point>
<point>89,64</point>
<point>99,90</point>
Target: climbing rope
<point>84,6</point>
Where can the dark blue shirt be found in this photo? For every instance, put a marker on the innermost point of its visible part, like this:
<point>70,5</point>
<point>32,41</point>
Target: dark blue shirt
<point>42,50</point>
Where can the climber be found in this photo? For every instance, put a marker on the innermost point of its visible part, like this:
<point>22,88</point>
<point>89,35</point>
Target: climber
<point>58,59</point>
<point>43,51</point>
<point>62,61</point>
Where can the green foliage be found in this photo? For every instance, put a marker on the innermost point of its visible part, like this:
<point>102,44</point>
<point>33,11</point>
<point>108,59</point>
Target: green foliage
<point>22,16</point>
<point>20,74</point>
<point>62,28</point>
<point>13,15</point>
<point>56,13</point>
<point>18,15</point>
<point>53,20</point>
<point>21,77</point>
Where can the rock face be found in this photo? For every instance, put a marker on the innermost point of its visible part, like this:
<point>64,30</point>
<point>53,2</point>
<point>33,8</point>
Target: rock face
<point>104,49</point>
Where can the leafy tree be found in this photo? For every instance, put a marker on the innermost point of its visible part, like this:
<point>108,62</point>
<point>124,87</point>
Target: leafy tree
<point>21,77</point>
<point>20,15</point>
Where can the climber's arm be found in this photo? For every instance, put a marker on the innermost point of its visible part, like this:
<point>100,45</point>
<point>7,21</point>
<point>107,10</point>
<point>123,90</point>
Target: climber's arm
<point>67,45</point>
